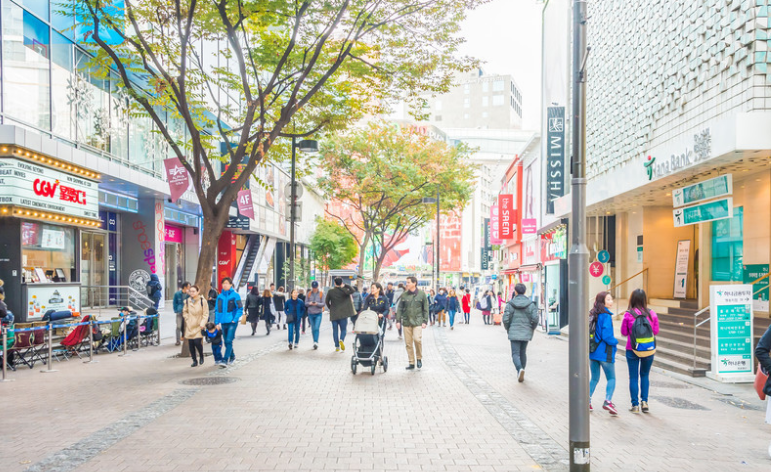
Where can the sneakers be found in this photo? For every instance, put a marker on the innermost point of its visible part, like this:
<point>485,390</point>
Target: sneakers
<point>410,367</point>
<point>644,407</point>
<point>337,349</point>
<point>420,363</point>
<point>231,361</point>
<point>521,375</point>
<point>295,346</point>
<point>635,409</point>
<point>221,364</point>
<point>315,346</point>
<point>290,346</point>
<point>342,346</point>
<point>610,408</point>
<point>452,327</point>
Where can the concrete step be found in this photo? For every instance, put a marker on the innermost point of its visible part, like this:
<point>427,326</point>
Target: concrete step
<point>672,365</point>
<point>686,347</point>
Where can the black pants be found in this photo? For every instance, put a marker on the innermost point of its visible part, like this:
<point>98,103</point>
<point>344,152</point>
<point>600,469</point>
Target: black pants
<point>196,344</point>
<point>254,326</point>
<point>305,318</point>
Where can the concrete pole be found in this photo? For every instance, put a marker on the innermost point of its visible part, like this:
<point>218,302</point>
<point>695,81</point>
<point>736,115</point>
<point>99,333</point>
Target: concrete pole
<point>293,193</point>
<point>438,261</point>
<point>578,258</point>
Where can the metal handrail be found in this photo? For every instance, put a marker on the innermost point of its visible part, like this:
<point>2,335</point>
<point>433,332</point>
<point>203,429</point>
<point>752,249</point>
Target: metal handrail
<point>627,280</point>
<point>695,325</point>
<point>131,291</point>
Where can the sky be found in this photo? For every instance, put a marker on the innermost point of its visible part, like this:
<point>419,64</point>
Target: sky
<point>506,36</point>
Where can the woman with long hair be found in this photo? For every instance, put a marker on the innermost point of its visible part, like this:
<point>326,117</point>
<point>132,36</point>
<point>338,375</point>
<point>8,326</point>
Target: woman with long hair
<point>252,307</point>
<point>267,309</point>
<point>602,351</point>
<point>377,302</point>
<point>639,362</point>
<point>486,302</point>
<point>196,314</point>
<point>453,306</point>
<point>432,307</point>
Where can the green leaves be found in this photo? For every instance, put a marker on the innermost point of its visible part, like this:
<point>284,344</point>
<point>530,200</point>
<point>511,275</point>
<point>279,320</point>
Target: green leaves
<point>332,245</point>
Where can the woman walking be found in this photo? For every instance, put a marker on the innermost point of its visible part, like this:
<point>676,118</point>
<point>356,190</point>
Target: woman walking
<point>487,305</point>
<point>294,313</point>
<point>431,306</point>
<point>267,309</point>
<point>602,349</point>
<point>452,307</point>
<point>252,307</point>
<point>377,302</point>
<point>279,298</point>
<point>640,326</point>
<point>196,315</point>
<point>441,307</point>
<point>467,307</point>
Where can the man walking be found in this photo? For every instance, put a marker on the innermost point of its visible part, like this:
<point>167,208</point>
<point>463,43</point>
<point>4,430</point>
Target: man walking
<point>520,319</point>
<point>315,304</point>
<point>340,308</point>
<point>412,312</point>
<point>179,304</point>
<point>229,311</point>
<point>389,293</point>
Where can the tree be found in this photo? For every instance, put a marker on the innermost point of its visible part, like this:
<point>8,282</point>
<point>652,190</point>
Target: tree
<point>382,172</point>
<point>292,68</point>
<point>333,246</point>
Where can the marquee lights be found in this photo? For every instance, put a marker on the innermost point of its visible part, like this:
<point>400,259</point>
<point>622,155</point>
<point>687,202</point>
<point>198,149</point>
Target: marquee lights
<point>85,222</point>
<point>51,162</point>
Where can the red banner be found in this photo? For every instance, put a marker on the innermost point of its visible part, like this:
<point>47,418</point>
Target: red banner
<point>245,206</point>
<point>177,176</point>
<point>450,243</point>
<point>506,216</point>
<point>495,239</point>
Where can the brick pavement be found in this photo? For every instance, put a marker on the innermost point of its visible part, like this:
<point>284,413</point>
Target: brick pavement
<point>304,410</point>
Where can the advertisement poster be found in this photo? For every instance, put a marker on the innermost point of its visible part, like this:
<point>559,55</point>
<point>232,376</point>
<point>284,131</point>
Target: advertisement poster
<point>731,333</point>
<point>751,273</point>
<point>245,206</point>
<point>506,216</point>
<point>495,240</point>
<point>681,268</point>
<point>41,298</point>
<point>450,243</point>
<point>177,176</point>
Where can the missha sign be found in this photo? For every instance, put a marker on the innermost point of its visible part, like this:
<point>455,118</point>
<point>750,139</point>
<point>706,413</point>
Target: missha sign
<point>36,187</point>
<point>696,148</point>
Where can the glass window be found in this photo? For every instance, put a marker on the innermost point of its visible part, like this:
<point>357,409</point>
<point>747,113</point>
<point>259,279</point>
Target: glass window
<point>119,105</point>
<point>26,49</point>
<point>466,102</point>
<point>61,22</point>
<point>47,247</point>
<point>485,114</point>
<point>485,86</point>
<point>91,101</point>
<point>38,7</point>
<point>485,101</point>
<point>466,89</point>
<point>438,118</point>
<point>498,86</point>
<point>465,116</point>
<point>497,100</point>
<point>728,248</point>
<point>62,91</point>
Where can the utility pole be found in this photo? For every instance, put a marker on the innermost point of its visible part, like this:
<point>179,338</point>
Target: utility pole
<point>438,261</point>
<point>293,197</point>
<point>578,258</point>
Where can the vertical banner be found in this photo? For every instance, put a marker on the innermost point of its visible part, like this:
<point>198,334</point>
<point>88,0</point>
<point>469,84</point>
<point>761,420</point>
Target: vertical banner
<point>494,227</point>
<point>555,156</point>
<point>506,216</point>
<point>487,231</point>
<point>177,176</point>
<point>245,206</point>
<point>681,268</point>
<point>451,243</point>
<point>751,273</point>
<point>731,333</point>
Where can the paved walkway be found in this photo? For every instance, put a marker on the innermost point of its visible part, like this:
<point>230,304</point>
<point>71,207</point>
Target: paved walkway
<point>304,410</point>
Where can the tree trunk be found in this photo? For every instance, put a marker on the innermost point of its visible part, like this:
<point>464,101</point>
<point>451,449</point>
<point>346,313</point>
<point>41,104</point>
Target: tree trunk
<point>362,259</point>
<point>212,230</point>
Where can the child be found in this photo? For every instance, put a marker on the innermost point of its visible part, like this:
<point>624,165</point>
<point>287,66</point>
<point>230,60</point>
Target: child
<point>214,336</point>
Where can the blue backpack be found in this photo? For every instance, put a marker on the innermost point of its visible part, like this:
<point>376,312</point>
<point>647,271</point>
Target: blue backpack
<point>643,340</point>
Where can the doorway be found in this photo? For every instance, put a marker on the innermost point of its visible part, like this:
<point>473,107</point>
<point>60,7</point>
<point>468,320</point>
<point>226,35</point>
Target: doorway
<point>175,268</point>
<point>93,269</point>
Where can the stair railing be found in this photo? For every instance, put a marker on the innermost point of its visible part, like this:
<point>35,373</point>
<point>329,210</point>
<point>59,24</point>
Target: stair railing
<point>695,325</point>
<point>645,281</point>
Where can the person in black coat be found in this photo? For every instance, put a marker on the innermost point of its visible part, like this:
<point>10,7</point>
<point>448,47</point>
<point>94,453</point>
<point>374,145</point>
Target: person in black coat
<point>763,353</point>
<point>266,309</point>
<point>377,302</point>
<point>252,307</point>
<point>279,298</point>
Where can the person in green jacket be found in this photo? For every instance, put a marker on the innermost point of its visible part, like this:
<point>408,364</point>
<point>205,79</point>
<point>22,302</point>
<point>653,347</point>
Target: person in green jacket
<point>520,319</point>
<point>412,312</point>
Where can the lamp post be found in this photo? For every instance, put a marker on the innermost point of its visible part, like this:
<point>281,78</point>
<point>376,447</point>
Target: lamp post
<point>308,146</point>
<point>436,249</point>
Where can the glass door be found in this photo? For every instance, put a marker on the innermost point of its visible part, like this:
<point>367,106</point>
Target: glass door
<point>93,269</point>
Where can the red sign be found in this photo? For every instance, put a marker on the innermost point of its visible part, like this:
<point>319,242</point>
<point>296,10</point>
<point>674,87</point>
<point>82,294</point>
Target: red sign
<point>506,216</point>
<point>227,253</point>
<point>494,226</point>
<point>44,188</point>
<point>173,233</point>
<point>177,176</point>
<point>245,206</point>
<point>596,269</point>
<point>529,226</point>
<point>450,243</point>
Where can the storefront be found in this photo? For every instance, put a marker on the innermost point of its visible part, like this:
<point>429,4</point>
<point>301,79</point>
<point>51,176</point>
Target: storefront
<point>554,278</point>
<point>175,259</point>
<point>45,205</point>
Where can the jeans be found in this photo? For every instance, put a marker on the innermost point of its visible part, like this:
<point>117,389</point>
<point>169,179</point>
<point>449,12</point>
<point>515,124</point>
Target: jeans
<point>610,374</point>
<point>216,350</point>
<point>452,318</point>
<point>338,330</point>
<point>229,334</point>
<point>315,322</point>
<point>195,345</point>
<point>467,316</point>
<point>639,368</point>
<point>519,354</point>
<point>294,332</point>
<point>431,316</point>
<point>305,318</point>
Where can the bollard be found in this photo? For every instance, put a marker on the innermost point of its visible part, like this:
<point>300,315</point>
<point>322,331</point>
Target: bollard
<point>5,354</point>
<point>50,349</point>
<point>90,343</point>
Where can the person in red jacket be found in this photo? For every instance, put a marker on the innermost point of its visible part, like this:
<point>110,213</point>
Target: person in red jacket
<point>466,301</point>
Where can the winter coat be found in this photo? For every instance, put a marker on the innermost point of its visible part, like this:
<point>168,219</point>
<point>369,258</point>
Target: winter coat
<point>195,311</point>
<point>628,323</point>
<point>440,302</point>
<point>606,349</point>
<point>520,318</point>
<point>266,312</point>
<point>357,301</point>
<point>390,296</point>
<point>378,305</point>
<point>279,298</point>
<point>762,352</point>
<point>154,289</point>
<point>215,337</point>
<point>179,301</point>
<point>229,307</point>
<point>452,303</point>
<point>294,310</point>
<point>318,302</point>
<point>412,309</point>
<point>252,307</point>
<point>467,303</point>
<point>212,299</point>
<point>339,302</point>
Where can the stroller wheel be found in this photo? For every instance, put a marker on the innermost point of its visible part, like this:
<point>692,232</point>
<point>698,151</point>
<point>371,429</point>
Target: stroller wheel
<point>385,364</point>
<point>374,366</point>
<point>353,365</point>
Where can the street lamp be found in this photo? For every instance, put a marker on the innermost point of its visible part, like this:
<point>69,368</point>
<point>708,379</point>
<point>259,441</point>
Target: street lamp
<point>306,146</point>
<point>429,200</point>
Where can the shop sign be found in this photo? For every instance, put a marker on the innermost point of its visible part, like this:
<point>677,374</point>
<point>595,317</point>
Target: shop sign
<point>41,298</point>
<point>177,177</point>
<point>529,226</point>
<point>506,216</point>
<point>603,256</point>
<point>554,245</point>
<point>606,280</point>
<point>173,233</point>
<point>237,222</point>
<point>485,261</point>
<point>703,212</point>
<point>245,206</point>
<point>40,188</point>
<point>731,332</point>
<point>487,232</point>
<point>555,163</point>
<point>707,190</point>
<point>680,157</point>
<point>681,267</point>
<point>596,269</point>
<point>751,273</point>
<point>494,227</point>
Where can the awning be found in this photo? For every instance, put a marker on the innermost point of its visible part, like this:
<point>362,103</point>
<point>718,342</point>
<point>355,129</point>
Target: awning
<point>554,225</point>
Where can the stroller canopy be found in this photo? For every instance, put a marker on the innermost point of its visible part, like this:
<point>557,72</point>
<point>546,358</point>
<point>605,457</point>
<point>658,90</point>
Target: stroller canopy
<point>366,323</point>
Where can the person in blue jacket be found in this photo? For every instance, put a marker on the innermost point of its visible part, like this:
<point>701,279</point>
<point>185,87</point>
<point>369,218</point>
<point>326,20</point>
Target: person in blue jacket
<point>604,355</point>
<point>228,313</point>
<point>294,309</point>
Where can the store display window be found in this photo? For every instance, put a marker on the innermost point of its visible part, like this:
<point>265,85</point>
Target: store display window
<point>47,253</point>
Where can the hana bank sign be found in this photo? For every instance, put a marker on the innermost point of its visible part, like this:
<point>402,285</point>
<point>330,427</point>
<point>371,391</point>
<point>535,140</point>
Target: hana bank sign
<point>681,158</point>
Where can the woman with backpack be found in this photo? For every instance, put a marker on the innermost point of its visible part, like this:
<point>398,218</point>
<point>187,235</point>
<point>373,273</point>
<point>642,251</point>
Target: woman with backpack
<point>486,305</point>
<point>640,326</point>
<point>602,349</point>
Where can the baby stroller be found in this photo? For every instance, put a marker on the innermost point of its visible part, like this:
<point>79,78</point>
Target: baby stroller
<point>368,346</point>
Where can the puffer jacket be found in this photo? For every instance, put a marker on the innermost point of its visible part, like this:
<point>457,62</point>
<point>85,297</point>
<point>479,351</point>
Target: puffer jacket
<point>294,310</point>
<point>196,315</point>
<point>252,307</point>
<point>229,307</point>
<point>520,318</point>
<point>606,349</point>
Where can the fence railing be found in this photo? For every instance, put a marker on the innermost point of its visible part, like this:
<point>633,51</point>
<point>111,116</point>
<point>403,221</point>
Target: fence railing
<point>100,297</point>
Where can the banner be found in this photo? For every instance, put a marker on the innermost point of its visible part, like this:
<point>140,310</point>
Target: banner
<point>731,333</point>
<point>177,176</point>
<point>506,216</point>
<point>681,268</point>
<point>245,206</point>
<point>529,226</point>
<point>494,227</point>
<point>555,152</point>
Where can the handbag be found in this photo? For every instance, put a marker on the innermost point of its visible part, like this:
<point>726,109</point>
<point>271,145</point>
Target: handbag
<point>760,382</point>
<point>243,319</point>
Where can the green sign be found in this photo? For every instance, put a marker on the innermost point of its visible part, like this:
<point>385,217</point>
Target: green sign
<point>707,190</point>
<point>606,280</point>
<point>751,273</point>
<point>703,212</point>
<point>731,332</point>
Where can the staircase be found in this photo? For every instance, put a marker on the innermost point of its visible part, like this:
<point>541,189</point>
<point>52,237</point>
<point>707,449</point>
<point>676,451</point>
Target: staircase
<point>674,343</point>
<point>248,259</point>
